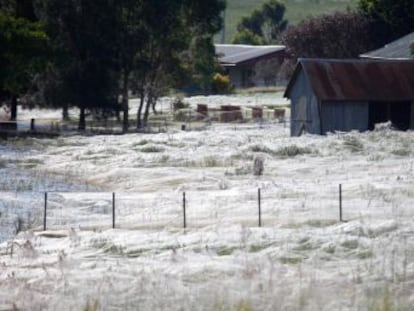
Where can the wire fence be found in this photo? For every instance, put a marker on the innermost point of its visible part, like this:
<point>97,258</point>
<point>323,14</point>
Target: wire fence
<point>184,119</point>
<point>196,209</point>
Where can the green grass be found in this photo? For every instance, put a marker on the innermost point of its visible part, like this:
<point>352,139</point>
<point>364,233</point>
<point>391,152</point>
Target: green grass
<point>152,149</point>
<point>296,11</point>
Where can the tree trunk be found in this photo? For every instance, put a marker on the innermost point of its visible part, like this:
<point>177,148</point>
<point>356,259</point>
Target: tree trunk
<point>125,107</point>
<point>153,104</point>
<point>139,112</point>
<point>13,108</point>
<point>82,119</point>
<point>147,109</point>
<point>65,112</point>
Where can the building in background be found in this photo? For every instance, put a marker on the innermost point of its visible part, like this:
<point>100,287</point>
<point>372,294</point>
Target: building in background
<point>401,49</point>
<point>251,65</point>
<point>329,95</point>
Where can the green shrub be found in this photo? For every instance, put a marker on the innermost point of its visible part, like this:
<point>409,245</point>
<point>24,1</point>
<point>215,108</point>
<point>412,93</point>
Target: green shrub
<point>261,148</point>
<point>350,244</point>
<point>141,142</point>
<point>149,149</point>
<point>244,306</point>
<point>221,84</point>
<point>225,250</point>
<point>292,151</point>
<point>179,103</point>
<point>353,144</point>
<point>402,152</point>
<point>91,306</point>
<point>290,260</point>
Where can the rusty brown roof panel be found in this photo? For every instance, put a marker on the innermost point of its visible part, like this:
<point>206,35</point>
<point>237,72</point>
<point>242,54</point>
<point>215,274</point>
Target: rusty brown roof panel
<point>360,80</point>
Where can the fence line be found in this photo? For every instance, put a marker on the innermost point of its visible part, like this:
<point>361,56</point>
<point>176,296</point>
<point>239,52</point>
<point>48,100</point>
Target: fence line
<point>198,208</point>
<point>186,119</point>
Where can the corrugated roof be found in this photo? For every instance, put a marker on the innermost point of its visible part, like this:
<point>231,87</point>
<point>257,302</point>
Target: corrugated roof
<point>358,80</point>
<point>233,54</point>
<point>398,49</point>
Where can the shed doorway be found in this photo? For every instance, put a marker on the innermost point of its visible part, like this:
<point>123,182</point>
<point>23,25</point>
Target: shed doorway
<point>397,112</point>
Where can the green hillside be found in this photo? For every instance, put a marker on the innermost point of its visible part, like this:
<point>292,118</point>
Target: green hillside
<point>296,10</point>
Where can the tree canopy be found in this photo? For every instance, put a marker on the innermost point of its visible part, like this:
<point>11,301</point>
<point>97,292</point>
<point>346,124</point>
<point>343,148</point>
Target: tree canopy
<point>338,35</point>
<point>389,19</point>
<point>92,55</point>
<point>23,49</point>
<point>263,26</point>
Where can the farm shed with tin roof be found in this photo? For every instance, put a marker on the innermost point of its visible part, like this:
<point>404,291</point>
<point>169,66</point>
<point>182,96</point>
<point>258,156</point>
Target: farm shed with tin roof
<point>330,95</point>
<point>240,61</point>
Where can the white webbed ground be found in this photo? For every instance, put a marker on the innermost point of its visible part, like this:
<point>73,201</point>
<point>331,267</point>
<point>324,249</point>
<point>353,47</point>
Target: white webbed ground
<point>302,258</point>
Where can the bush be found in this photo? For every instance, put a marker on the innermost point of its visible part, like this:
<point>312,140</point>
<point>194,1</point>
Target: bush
<point>221,84</point>
<point>179,103</point>
<point>292,151</point>
<point>152,149</point>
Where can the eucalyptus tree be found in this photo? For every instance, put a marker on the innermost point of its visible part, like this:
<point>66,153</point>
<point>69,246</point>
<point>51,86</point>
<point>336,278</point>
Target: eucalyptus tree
<point>104,50</point>
<point>84,41</point>
<point>181,43</point>
<point>23,45</point>
<point>389,19</point>
<point>131,38</point>
<point>263,26</point>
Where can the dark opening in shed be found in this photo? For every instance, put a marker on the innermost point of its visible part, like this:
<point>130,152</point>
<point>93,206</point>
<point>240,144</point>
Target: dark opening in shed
<point>398,113</point>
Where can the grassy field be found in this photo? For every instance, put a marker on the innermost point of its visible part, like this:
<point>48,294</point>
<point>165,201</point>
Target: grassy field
<point>296,10</point>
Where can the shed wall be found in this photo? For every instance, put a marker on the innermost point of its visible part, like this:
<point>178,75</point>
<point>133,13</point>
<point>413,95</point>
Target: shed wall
<point>412,116</point>
<point>344,116</point>
<point>235,76</point>
<point>304,108</point>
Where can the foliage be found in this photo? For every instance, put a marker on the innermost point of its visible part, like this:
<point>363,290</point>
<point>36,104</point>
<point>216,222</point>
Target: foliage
<point>83,36</point>
<point>221,84</point>
<point>340,35</point>
<point>389,19</point>
<point>296,11</point>
<point>91,306</point>
<point>201,65</point>
<point>104,50</point>
<point>266,24</point>
<point>292,151</point>
<point>179,47</point>
<point>101,51</point>
<point>179,103</point>
<point>22,49</point>
<point>246,36</point>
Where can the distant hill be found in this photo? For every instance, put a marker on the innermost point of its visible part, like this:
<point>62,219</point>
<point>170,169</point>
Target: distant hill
<point>296,10</point>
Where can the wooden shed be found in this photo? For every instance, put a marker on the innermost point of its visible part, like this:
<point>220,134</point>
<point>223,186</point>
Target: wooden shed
<point>330,95</point>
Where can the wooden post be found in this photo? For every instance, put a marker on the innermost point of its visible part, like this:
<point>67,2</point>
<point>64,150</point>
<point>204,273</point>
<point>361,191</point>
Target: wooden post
<point>44,213</point>
<point>113,210</point>
<point>260,208</point>
<point>184,212</point>
<point>340,203</point>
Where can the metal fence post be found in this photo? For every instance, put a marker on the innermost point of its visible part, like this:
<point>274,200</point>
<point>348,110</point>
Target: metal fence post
<point>113,210</point>
<point>44,213</point>
<point>340,203</point>
<point>184,212</point>
<point>260,207</point>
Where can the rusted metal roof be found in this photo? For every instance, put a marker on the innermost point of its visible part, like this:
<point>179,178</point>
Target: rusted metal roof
<point>234,54</point>
<point>358,80</point>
